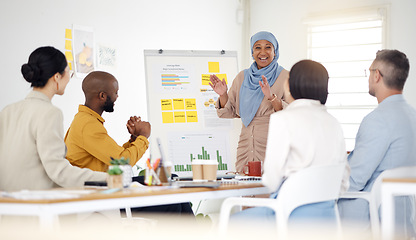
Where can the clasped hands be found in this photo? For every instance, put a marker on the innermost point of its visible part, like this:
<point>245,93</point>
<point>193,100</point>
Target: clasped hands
<point>137,127</point>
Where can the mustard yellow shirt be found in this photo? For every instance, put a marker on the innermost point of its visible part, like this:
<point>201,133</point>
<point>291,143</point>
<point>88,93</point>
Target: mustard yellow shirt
<point>90,146</point>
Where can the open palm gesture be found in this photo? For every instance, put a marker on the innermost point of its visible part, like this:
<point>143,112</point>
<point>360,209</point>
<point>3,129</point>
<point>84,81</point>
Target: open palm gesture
<point>265,87</point>
<point>219,86</point>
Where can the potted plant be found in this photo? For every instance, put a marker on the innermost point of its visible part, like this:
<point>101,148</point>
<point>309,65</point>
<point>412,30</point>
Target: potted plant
<point>115,177</point>
<point>123,164</point>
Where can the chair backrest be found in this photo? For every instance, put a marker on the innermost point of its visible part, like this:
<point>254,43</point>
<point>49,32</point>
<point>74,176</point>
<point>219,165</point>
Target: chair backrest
<point>310,185</point>
<point>400,172</point>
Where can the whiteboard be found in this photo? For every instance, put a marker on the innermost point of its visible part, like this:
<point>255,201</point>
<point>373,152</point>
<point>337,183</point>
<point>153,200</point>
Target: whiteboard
<point>181,108</point>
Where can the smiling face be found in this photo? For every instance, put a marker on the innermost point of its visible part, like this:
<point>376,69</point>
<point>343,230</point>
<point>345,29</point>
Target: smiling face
<point>263,53</point>
<point>112,96</point>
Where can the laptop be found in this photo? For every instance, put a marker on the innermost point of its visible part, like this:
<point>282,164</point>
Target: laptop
<point>191,184</point>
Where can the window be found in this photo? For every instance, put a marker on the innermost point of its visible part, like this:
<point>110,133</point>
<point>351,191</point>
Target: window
<point>347,47</point>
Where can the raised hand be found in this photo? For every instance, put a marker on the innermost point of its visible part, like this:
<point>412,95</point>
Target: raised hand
<point>265,87</point>
<point>220,87</point>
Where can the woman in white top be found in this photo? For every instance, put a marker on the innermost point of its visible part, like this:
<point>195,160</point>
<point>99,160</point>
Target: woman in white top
<point>32,148</point>
<point>304,134</point>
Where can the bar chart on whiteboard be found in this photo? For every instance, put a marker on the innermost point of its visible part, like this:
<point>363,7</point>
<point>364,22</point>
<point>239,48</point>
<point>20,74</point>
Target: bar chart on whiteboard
<point>184,148</point>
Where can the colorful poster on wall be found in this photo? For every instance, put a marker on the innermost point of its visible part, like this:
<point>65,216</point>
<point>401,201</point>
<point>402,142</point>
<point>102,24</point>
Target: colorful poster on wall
<point>83,50</point>
<point>106,57</point>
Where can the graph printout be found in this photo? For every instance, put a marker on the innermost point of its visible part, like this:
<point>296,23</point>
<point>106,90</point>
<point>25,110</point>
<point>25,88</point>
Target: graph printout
<point>184,148</point>
<point>174,78</point>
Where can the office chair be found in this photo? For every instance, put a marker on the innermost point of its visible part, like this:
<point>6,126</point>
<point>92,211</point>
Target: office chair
<point>309,185</point>
<point>374,196</point>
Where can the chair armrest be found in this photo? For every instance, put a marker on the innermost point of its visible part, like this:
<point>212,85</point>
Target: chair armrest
<point>229,203</point>
<point>249,202</point>
<point>354,195</point>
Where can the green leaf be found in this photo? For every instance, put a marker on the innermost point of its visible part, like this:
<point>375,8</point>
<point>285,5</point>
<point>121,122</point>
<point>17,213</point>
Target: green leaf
<point>121,161</point>
<point>115,171</point>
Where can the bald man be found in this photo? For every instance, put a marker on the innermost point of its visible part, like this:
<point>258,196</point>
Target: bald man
<point>89,145</point>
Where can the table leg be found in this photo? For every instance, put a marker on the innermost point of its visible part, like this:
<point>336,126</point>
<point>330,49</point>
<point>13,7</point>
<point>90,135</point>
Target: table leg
<point>387,212</point>
<point>49,222</point>
<point>128,213</point>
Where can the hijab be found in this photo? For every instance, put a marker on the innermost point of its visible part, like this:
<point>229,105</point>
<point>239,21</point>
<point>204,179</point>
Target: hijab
<point>251,95</point>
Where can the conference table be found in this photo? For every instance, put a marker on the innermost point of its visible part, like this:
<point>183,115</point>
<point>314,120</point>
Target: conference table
<point>49,204</point>
<point>390,188</point>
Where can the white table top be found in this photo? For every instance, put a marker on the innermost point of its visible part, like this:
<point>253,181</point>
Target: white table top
<point>99,200</point>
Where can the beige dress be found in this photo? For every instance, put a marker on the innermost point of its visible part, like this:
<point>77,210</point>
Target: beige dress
<point>253,138</point>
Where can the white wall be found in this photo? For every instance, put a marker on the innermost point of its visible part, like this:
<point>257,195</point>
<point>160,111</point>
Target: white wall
<point>284,19</point>
<point>133,25</point>
<point>128,25</point>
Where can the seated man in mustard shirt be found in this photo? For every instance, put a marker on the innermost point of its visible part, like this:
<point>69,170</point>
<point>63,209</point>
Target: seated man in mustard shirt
<point>90,146</point>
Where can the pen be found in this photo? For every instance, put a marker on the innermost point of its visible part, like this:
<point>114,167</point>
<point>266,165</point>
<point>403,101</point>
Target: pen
<point>148,163</point>
<point>149,177</point>
<point>156,164</point>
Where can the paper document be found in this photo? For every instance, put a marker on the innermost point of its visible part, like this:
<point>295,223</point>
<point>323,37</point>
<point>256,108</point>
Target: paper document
<point>45,195</point>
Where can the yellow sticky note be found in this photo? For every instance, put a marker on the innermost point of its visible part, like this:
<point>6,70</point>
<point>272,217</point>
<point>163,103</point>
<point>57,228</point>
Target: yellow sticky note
<point>68,45</point>
<point>178,104</point>
<point>166,104</point>
<point>213,67</point>
<point>68,33</point>
<point>179,117</point>
<point>190,104</point>
<point>70,65</point>
<point>167,117</point>
<point>68,56</point>
<point>205,79</point>
<point>191,116</point>
<point>222,76</point>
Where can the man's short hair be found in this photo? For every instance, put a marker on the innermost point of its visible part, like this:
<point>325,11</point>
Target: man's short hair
<point>309,80</point>
<point>395,67</point>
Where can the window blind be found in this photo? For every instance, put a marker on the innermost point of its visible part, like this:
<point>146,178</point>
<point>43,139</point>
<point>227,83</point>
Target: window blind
<point>347,49</point>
